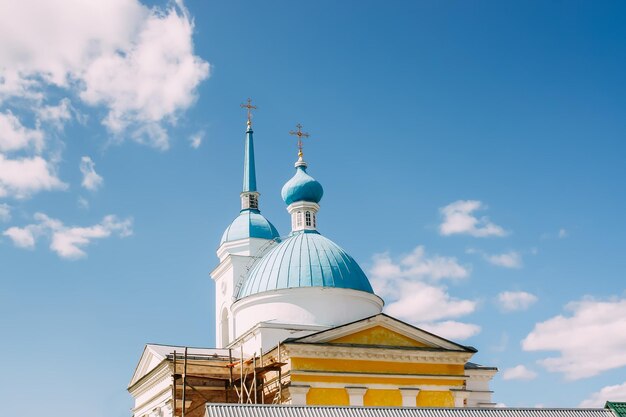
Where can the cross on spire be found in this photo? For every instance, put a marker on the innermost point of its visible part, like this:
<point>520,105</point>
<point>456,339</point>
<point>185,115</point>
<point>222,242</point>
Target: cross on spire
<point>300,134</point>
<point>249,107</point>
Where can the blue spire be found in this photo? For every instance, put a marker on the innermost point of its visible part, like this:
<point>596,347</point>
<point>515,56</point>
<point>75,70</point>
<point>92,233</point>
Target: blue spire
<point>249,172</point>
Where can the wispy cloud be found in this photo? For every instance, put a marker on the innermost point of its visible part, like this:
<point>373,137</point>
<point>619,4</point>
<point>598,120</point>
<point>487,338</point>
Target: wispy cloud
<point>575,337</point>
<point>459,218</point>
<point>515,300</point>
<point>5,212</point>
<point>91,180</point>
<point>519,372</point>
<point>196,139</point>
<point>67,241</point>
<point>510,259</point>
<point>412,288</point>
<point>14,136</point>
<point>56,115</point>
<point>608,393</point>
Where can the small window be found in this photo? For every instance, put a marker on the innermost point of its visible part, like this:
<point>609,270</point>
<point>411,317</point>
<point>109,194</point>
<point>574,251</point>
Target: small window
<point>299,219</point>
<point>314,220</point>
<point>253,201</point>
<point>307,218</point>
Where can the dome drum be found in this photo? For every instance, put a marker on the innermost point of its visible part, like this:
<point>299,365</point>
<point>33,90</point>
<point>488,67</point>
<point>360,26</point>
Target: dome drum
<point>314,306</point>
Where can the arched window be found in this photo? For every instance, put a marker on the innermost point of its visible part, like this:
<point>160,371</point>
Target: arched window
<point>299,219</point>
<point>224,324</point>
<point>314,220</point>
<point>307,218</point>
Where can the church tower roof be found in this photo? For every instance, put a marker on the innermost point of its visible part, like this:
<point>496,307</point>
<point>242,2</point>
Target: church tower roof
<point>305,258</point>
<point>250,223</point>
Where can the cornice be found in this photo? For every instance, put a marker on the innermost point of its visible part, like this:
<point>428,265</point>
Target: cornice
<point>149,380</point>
<point>375,353</point>
<point>379,375</point>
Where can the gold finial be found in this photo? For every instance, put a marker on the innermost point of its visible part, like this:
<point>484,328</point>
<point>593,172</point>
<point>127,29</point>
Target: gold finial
<point>249,106</point>
<point>300,134</point>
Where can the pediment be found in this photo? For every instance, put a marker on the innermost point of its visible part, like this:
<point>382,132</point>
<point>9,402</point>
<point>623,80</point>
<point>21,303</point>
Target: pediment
<point>383,330</point>
<point>151,357</point>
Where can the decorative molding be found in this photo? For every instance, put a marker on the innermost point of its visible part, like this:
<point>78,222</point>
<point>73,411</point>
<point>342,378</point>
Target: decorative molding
<point>379,375</point>
<point>376,353</point>
<point>150,379</point>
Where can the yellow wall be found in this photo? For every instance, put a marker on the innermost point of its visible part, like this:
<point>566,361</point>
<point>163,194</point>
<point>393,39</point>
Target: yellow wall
<point>382,397</point>
<point>379,335</point>
<point>372,379</point>
<point>343,365</point>
<point>327,396</point>
<point>435,399</point>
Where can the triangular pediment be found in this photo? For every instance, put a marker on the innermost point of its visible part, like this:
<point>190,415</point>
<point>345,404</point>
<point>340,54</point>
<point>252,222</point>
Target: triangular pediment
<point>150,359</point>
<point>383,330</point>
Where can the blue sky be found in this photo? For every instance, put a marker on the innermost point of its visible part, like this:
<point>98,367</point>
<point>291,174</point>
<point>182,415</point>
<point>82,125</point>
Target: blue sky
<point>472,156</point>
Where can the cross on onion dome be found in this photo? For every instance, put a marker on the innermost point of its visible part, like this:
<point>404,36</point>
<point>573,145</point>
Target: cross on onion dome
<point>300,134</point>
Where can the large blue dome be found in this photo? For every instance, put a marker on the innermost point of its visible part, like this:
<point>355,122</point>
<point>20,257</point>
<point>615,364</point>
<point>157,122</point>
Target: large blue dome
<point>305,259</point>
<point>250,223</point>
<point>302,187</point>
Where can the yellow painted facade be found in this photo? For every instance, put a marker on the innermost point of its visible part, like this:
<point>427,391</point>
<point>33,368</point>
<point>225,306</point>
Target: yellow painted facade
<point>378,377</point>
<point>382,398</point>
<point>355,380</point>
<point>379,336</point>
<point>380,367</point>
<point>327,396</point>
<point>435,399</point>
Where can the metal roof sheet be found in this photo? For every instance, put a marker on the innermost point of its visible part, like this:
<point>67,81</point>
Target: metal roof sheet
<point>255,410</point>
<point>618,407</point>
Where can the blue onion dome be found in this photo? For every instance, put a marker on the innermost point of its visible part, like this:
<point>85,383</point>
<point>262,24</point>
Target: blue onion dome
<point>249,223</point>
<point>305,259</point>
<point>302,187</point>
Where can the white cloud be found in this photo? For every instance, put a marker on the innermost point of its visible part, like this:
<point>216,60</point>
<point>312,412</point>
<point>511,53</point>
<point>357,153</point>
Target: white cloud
<point>137,62</point>
<point>24,176</point>
<point>195,140</point>
<point>516,300</point>
<point>91,180</point>
<point>510,259</point>
<point>563,233</point>
<point>413,291</point>
<point>22,237</point>
<point>452,329</point>
<point>83,203</point>
<point>424,302</point>
<point>153,78</point>
<point>518,372</point>
<point>458,218</point>
<point>608,393</point>
<point>591,340</point>
<point>56,115</point>
<point>14,136</point>
<point>5,212</point>
<point>67,242</point>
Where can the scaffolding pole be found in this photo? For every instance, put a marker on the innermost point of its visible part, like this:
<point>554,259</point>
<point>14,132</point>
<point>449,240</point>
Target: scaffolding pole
<point>184,383</point>
<point>174,388</point>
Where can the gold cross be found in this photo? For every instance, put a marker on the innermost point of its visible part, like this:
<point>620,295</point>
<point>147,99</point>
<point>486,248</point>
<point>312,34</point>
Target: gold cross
<point>300,134</point>
<point>249,106</point>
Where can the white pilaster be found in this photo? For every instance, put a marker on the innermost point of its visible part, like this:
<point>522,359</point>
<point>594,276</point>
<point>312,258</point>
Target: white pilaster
<point>298,394</point>
<point>356,395</point>
<point>409,396</point>
<point>460,398</point>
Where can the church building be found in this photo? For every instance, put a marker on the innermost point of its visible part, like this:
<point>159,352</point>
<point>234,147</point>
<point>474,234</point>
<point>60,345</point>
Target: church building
<point>298,323</point>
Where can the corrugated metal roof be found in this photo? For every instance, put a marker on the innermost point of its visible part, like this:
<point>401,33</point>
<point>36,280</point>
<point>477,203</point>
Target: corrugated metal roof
<point>249,410</point>
<point>618,408</point>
